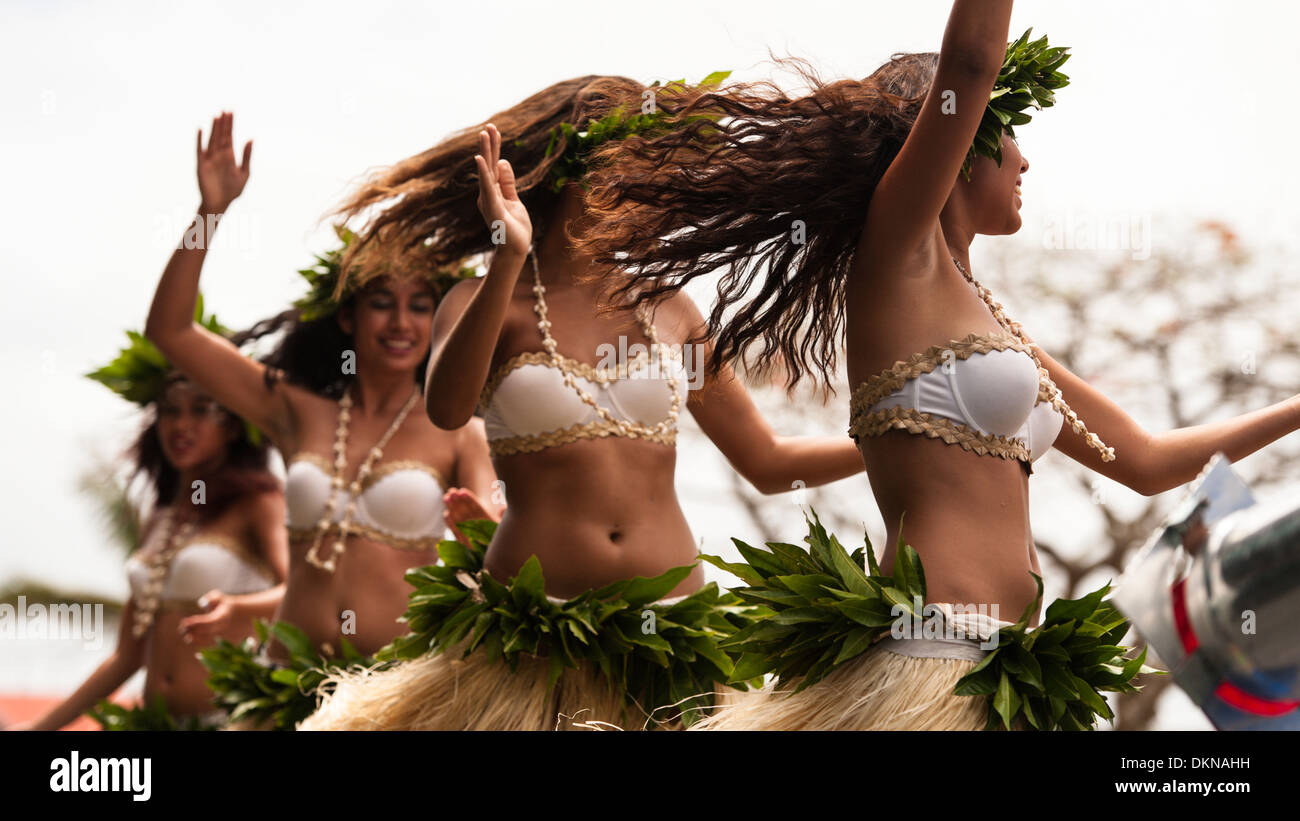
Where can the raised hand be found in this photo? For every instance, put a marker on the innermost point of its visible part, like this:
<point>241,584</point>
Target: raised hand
<point>205,628</point>
<point>498,200</point>
<point>220,179</point>
<point>461,504</point>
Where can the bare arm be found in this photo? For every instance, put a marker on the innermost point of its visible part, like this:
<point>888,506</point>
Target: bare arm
<point>474,470</point>
<point>112,674</point>
<point>1153,463</point>
<point>910,196</point>
<point>209,359</point>
<point>468,322</point>
<point>728,416</point>
<point>266,531</point>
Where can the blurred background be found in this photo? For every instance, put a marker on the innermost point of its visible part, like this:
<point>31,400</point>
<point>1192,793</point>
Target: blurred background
<point>1156,257</point>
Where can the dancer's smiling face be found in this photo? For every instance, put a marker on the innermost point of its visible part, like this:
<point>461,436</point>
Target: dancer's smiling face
<point>993,192</point>
<point>391,323</point>
<point>193,429</point>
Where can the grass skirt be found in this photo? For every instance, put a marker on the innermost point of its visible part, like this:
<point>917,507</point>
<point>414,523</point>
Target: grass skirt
<point>831,646</point>
<point>487,655</point>
<point>878,690</point>
<point>447,692</point>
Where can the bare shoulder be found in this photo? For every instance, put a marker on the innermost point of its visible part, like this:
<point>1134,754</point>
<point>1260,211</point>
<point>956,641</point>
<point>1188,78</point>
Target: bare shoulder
<point>264,504</point>
<point>463,290</point>
<point>678,314</point>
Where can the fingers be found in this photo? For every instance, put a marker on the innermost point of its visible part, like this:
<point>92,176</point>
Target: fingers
<point>248,156</point>
<point>485,148</point>
<point>496,143</point>
<point>506,175</point>
<point>486,188</point>
<point>199,145</point>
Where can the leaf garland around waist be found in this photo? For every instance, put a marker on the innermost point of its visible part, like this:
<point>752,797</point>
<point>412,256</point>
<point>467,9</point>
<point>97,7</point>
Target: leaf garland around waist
<point>655,654</point>
<point>284,696</point>
<point>828,606</point>
<point>151,717</point>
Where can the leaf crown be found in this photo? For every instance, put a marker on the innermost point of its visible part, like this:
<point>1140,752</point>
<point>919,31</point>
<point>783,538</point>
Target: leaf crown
<point>1029,78</point>
<point>139,371</point>
<point>325,292</point>
<point>616,125</point>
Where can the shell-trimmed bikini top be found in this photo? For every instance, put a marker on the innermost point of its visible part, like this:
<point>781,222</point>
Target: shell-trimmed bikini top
<point>199,563</point>
<point>986,393</point>
<point>400,503</point>
<point>542,399</point>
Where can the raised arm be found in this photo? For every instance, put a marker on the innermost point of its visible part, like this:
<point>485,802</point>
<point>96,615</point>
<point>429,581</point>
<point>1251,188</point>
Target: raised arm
<point>209,359</point>
<point>727,415</point>
<point>910,196</point>
<point>1152,463</point>
<point>469,320</point>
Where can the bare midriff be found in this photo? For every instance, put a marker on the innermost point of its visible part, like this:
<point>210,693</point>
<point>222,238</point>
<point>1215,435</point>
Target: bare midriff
<point>967,517</point>
<point>360,601</point>
<point>967,514</point>
<point>172,668</point>
<point>593,512</point>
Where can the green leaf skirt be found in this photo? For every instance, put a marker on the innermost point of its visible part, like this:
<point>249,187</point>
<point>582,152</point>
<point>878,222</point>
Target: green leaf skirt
<point>151,717</point>
<point>476,642</point>
<point>258,695</point>
<point>827,607</point>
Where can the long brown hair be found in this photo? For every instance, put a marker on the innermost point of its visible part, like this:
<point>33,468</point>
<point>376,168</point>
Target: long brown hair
<point>425,207</point>
<point>671,208</point>
<point>244,470</point>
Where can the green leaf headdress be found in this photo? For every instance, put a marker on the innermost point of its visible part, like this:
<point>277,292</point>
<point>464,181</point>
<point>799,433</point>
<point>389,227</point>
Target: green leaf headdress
<point>1029,78</point>
<point>140,370</point>
<point>325,293</point>
<point>616,125</point>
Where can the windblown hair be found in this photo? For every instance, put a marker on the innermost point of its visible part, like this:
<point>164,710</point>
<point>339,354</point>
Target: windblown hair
<point>736,193</point>
<point>426,206</point>
<point>244,471</point>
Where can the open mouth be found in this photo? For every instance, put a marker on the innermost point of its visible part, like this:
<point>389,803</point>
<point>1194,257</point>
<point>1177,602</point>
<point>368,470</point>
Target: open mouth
<point>398,347</point>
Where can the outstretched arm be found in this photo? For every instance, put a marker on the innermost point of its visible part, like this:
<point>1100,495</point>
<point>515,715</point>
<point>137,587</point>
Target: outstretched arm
<point>1152,463</point>
<point>469,320</point>
<point>913,191</point>
<point>112,674</point>
<point>727,414</point>
<point>205,357</point>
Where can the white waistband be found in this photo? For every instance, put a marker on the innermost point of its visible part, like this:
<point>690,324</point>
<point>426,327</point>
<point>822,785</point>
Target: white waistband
<point>666,602</point>
<point>945,632</point>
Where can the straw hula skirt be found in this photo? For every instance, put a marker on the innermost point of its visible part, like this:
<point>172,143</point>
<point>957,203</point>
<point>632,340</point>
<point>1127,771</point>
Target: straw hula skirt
<point>487,655</point>
<point>850,648</point>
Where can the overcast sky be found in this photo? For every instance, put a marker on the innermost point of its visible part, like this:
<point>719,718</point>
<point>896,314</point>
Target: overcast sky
<point>1176,109</point>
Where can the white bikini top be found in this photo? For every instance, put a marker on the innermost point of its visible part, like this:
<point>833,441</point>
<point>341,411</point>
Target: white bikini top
<point>981,392</point>
<point>207,562</point>
<point>528,407</point>
<point>400,502</point>
<point>986,392</point>
<point>542,399</point>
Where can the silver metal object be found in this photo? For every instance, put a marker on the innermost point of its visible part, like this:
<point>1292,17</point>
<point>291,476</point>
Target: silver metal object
<point>1216,594</point>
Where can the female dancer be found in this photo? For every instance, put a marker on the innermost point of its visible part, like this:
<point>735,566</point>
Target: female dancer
<point>365,475</point>
<point>873,171</point>
<point>587,453</point>
<point>213,556</point>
